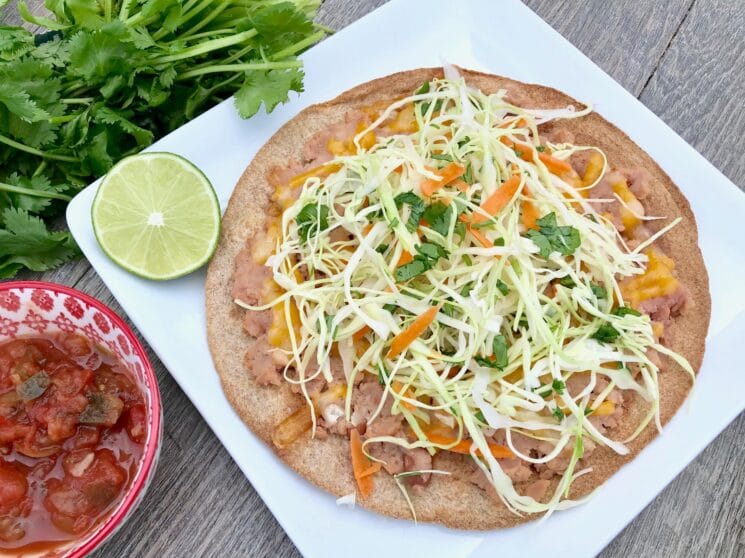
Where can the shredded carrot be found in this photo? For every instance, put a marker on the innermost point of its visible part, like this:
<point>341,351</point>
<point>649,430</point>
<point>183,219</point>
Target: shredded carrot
<point>360,333</point>
<point>554,165</point>
<point>399,388</point>
<point>367,229</point>
<point>405,258</point>
<point>320,172</point>
<point>371,470</point>
<point>360,465</point>
<point>480,237</point>
<point>530,213</point>
<point>526,153</point>
<point>464,446</point>
<point>519,123</point>
<point>461,185</point>
<point>498,200</point>
<point>446,174</point>
<point>410,334</point>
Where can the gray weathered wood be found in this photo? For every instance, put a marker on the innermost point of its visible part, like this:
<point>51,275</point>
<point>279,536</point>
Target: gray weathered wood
<point>686,58</point>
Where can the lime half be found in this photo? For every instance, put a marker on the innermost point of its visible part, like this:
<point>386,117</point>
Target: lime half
<point>157,216</point>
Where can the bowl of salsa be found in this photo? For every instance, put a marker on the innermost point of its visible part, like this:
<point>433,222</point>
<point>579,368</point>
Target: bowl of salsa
<point>80,421</point>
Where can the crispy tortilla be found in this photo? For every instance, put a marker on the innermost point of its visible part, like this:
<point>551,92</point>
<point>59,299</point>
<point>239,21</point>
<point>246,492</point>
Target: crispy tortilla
<point>450,500</point>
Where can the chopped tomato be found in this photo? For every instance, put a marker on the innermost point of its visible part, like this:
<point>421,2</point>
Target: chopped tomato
<point>13,487</point>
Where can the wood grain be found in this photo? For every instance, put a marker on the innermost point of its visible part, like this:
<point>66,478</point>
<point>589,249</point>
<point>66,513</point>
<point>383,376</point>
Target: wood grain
<point>686,61</point>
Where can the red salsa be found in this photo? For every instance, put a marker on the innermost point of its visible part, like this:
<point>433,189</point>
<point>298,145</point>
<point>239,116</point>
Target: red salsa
<point>72,432</point>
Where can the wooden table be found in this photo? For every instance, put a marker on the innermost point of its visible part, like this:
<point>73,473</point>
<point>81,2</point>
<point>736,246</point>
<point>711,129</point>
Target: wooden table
<point>685,60</point>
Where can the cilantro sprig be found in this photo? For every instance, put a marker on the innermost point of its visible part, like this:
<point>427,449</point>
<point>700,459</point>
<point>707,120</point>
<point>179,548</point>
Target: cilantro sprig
<point>428,254</point>
<point>111,77</point>
<point>550,237</point>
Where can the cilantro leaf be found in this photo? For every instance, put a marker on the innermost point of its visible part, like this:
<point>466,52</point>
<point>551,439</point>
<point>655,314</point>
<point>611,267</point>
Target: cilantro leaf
<point>280,25</point>
<point>311,220</point>
<point>503,288</point>
<point>439,217</point>
<point>269,87</point>
<point>598,291</point>
<point>428,254</point>
<point>552,238</point>
<point>432,251</point>
<point>96,55</point>
<point>417,208</point>
<point>106,115</point>
<point>567,282</point>
<point>25,241</point>
<point>558,386</point>
<point>499,358</point>
<point>414,268</point>
<point>424,88</point>
<point>558,414</point>
<point>606,333</point>
<point>19,103</point>
<point>625,311</point>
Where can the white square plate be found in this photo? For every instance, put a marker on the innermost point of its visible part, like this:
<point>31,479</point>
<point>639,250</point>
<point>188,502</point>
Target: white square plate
<point>405,35</point>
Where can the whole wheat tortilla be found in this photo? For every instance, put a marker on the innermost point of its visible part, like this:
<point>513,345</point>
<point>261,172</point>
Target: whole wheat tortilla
<point>452,501</point>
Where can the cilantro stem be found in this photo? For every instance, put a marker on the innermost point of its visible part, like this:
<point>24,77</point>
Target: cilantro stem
<point>78,101</point>
<point>239,68</point>
<point>40,168</point>
<point>324,28</point>
<point>204,34</point>
<point>207,46</point>
<point>34,193</point>
<point>215,12</point>
<point>38,153</point>
<point>292,49</point>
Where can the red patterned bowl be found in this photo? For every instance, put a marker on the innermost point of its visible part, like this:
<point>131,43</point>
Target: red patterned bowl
<point>30,308</point>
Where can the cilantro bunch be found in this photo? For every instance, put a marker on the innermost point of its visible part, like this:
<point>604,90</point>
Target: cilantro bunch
<point>109,77</point>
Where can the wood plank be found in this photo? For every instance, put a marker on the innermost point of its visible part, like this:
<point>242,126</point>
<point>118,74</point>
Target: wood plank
<point>625,38</point>
<point>697,89</point>
<point>699,86</point>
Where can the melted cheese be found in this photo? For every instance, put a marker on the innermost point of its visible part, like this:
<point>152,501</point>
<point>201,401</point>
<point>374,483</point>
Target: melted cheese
<point>657,280</point>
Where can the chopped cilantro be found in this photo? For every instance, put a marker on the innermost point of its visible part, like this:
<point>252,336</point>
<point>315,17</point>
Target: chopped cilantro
<point>552,238</point>
<point>558,414</point>
<point>606,333</point>
<point>424,88</point>
<point>412,269</point>
<point>390,308</point>
<point>439,217</point>
<point>499,358</point>
<point>598,291</point>
<point>417,208</point>
<point>382,374</point>
<point>567,282</point>
<point>503,288</point>
<point>625,311</point>
<point>311,220</point>
<point>441,157</point>
<point>468,175</point>
<point>540,148</point>
<point>467,288</point>
<point>558,386</point>
<point>428,253</point>
<point>381,248</point>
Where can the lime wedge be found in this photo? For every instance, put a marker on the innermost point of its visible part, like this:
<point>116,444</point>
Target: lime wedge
<point>157,216</point>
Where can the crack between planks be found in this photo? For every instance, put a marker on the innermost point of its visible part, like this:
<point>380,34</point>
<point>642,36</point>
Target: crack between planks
<point>667,47</point>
